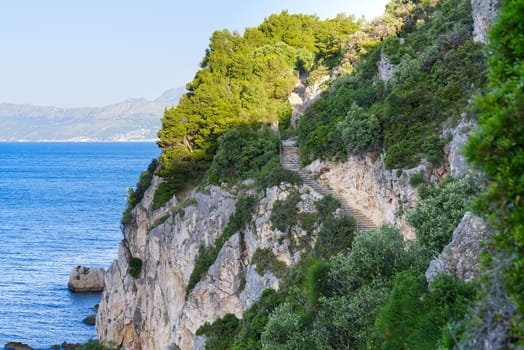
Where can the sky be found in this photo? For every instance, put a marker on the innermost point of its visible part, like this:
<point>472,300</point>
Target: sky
<point>93,53</point>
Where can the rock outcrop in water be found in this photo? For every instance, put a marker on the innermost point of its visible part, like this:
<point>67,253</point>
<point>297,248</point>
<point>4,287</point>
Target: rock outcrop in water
<point>86,279</point>
<point>17,346</point>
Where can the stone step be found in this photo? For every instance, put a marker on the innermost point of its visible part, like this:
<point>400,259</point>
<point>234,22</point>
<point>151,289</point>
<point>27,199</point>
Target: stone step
<point>289,159</point>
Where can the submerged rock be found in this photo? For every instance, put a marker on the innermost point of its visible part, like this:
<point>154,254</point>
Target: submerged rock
<point>66,345</point>
<point>15,345</point>
<point>91,319</point>
<point>84,279</point>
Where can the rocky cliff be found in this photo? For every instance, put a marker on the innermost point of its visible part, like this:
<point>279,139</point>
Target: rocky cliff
<point>385,195</point>
<point>155,310</point>
<point>483,13</point>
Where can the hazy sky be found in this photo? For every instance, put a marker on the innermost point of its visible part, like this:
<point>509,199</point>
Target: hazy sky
<point>92,53</point>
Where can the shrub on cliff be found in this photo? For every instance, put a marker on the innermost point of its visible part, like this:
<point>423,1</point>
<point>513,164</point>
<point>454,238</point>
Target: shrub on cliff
<point>242,153</point>
<point>414,315</point>
<point>439,68</point>
<point>136,195</point>
<point>439,211</point>
<point>497,148</point>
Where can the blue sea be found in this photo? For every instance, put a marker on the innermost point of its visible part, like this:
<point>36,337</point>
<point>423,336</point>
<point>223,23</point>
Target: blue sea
<point>60,206</point>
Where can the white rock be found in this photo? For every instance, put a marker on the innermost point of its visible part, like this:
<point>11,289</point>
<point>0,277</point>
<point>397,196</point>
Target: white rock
<point>483,13</point>
<point>154,311</point>
<point>86,279</point>
<point>365,183</point>
<point>461,256</point>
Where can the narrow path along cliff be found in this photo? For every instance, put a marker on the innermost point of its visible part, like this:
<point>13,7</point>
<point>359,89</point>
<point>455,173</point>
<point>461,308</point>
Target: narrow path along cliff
<point>290,161</point>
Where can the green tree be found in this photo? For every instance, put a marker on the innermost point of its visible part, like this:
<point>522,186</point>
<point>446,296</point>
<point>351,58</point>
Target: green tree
<point>497,147</point>
<point>360,131</point>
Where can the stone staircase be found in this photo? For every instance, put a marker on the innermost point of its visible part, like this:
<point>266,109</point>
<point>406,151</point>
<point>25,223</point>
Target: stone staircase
<point>290,161</point>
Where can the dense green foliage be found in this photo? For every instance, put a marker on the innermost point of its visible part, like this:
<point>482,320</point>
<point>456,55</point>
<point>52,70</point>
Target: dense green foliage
<point>284,213</point>
<point>438,69</point>
<point>335,235</point>
<point>136,195</point>
<point>254,153</point>
<point>326,207</point>
<point>273,174</point>
<point>135,266</point>
<point>206,256</point>
<point>439,211</point>
<point>242,153</point>
<point>415,314</point>
<point>498,149</point>
<point>265,260</point>
<point>163,193</point>
<point>244,81</point>
<point>220,334</point>
<point>98,345</point>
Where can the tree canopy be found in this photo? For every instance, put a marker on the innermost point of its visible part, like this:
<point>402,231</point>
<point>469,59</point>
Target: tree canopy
<point>245,80</point>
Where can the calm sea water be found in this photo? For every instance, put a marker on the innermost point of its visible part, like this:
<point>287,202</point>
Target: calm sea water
<point>60,206</point>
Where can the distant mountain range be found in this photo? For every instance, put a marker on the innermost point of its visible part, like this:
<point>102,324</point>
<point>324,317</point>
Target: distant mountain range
<point>130,120</point>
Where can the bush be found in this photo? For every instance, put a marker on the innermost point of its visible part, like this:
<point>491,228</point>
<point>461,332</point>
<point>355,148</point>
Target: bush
<point>439,212</point>
<point>98,345</point>
<point>307,221</point>
<point>335,236</point>
<point>360,131</point>
<point>126,217</point>
<point>374,254</point>
<point>414,316</point>
<point>135,266</point>
<point>316,281</point>
<point>273,174</point>
<point>416,178</point>
<point>255,319</point>
<point>433,148</point>
<point>220,334</point>
<point>284,331</point>
<point>284,212</point>
<point>326,207</point>
<point>346,322</point>
<point>163,193</point>
<point>242,153</point>
<point>265,260</point>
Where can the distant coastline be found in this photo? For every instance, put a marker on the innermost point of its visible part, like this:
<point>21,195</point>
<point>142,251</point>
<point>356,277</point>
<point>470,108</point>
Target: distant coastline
<point>80,141</point>
<point>132,120</point>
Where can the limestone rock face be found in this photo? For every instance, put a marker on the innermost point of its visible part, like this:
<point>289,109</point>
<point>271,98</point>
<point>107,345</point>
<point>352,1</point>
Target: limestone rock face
<point>85,279</point>
<point>458,166</point>
<point>365,183</point>
<point>385,69</point>
<point>483,13</point>
<point>303,96</point>
<point>461,256</point>
<point>155,311</point>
